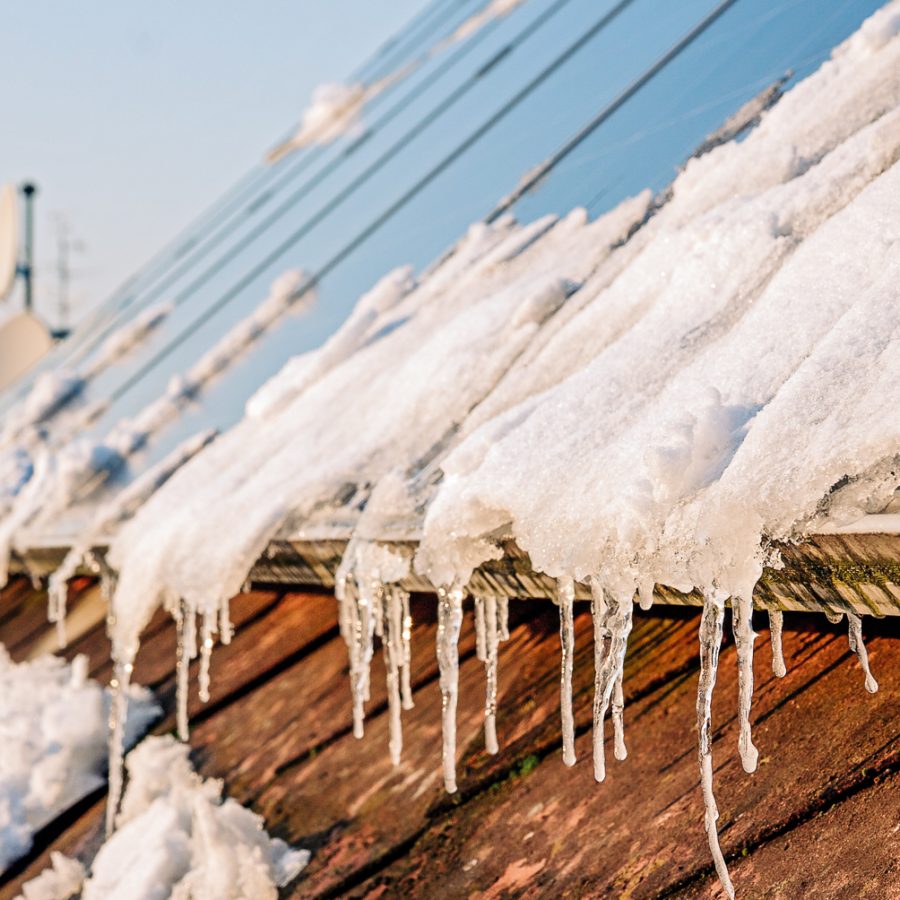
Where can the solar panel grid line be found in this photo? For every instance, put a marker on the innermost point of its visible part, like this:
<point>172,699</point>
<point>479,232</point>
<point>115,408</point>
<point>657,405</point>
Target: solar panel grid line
<point>393,208</point>
<point>621,98</point>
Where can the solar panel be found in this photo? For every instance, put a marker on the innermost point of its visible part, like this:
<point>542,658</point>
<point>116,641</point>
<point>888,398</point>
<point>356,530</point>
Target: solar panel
<point>440,149</point>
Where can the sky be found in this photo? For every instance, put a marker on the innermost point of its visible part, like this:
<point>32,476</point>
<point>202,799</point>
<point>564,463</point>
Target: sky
<point>131,117</point>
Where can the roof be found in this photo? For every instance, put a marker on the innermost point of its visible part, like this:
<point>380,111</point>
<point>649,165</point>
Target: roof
<point>818,815</point>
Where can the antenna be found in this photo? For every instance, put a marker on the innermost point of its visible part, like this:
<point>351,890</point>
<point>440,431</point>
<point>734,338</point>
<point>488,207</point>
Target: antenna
<point>26,269</point>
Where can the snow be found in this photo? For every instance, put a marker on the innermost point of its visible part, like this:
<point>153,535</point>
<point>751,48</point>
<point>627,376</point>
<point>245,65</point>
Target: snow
<point>493,9</point>
<point>62,880</point>
<point>335,110</point>
<point>53,722</point>
<point>55,390</point>
<point>177,837</point>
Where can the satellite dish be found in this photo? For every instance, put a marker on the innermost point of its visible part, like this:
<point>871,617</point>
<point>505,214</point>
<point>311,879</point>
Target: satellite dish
<point>23,341</point>
<point>9,239</point>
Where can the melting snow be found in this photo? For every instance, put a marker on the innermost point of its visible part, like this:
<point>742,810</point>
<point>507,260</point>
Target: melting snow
<point>53,724</point>
<point>177,837</point>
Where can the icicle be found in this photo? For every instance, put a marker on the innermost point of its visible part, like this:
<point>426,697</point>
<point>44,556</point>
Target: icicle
<point>618,717</point>
<point>503,618</point>
<point>492,640</point>
<point>449,624</point>
<point>565,597</point>
<point>854,634</point>
<point>392,619</point>
<point>182,667</point>
<point>600,617</point>
<point>226,628</point>
<point>357,599</point>
<point>406,655</point>
<point>480,637</point>
<point>206,645</point>
<point>612,625</point>
<point>776,622</point>
<point>118,710</point>
<point>57,600</point>
<point>710,642</point>
<point>744,636</point>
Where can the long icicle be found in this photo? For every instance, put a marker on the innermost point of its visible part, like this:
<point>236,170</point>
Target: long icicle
<point>503,618</point>
<point>480,629</point>
<point>118,710</point>
<point>206,646</point>
<point>406,695</point>
<point>565,596</point>
<point>490,668</point>
<point>618,717</point>
<point>857,646</point>
<point>710,642</point>
<point>449,624</point>
<point>392,618</point>
<point>182,670</point>
<point>612,624</point>
<point>776,626</point>
<point>600,617</point>
<point>744,636</point>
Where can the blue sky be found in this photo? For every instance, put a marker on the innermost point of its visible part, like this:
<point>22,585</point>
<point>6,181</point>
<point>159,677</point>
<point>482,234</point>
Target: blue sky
<point>132,116</point>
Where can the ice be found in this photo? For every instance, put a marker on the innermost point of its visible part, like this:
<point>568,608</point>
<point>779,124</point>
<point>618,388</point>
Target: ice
<point>776,624</point>
<point>612,615</point>
<point>53,732</point>
<point>710,643</point>
<point>565,597</point>
<point>177,837</point>
<point>854,630</point>
<point>449,624</point>
<point>744,636</point>
<point>61,880</point>
<point>489,628</point>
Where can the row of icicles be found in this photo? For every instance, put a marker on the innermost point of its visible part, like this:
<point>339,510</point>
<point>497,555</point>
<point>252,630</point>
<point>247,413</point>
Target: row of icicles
<point>369,608</point>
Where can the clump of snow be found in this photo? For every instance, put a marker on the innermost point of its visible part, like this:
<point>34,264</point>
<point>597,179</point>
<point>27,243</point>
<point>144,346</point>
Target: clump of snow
<point>493,9</point>
<point>50,393</point>
<point>53,391</point>
<point>125,339</point>
<point>53,722</point>
<point>177,837</point>
<point>335,110</point>
<point>62,880</point>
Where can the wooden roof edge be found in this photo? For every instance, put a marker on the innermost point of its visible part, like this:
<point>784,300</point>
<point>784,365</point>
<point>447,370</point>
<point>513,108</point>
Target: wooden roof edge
<point>849,569</point>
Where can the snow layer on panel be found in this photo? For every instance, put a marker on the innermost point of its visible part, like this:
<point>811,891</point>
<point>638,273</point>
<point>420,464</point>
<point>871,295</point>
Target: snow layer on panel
<point>433,357</point>
<point>177,837</point>
<point>53,391</point>
<point>52,478</point>
<point>656,414</point>
<point>53,723</point>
